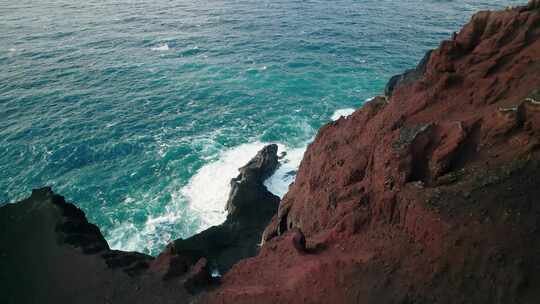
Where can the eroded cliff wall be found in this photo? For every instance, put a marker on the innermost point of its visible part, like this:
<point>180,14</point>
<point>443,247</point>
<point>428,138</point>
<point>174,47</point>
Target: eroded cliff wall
<point>427,195</point>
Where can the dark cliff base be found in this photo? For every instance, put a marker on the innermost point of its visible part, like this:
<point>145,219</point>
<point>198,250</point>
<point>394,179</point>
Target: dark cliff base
<point>49,253</point>
<point>429,194</point>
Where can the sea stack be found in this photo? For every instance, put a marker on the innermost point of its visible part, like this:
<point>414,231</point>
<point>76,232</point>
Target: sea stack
<point>250,208</point>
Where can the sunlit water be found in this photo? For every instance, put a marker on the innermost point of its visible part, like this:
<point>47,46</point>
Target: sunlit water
<point>140,112</point>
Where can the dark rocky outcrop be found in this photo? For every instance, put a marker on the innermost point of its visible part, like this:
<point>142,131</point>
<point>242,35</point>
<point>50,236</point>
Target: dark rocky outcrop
<point>50,253</point>
<point>250,206</point>
<point>408,76</point>
<point>248,197</point>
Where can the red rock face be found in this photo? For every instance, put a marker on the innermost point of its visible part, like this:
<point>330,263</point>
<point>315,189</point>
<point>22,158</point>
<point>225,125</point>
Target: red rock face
<point>428,196</point>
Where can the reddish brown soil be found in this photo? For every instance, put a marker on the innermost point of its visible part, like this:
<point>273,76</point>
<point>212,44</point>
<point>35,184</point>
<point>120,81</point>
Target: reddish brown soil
<point>431,195</point>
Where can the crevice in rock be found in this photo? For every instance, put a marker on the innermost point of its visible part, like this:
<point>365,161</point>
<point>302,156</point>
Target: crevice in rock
<point>282,228</point>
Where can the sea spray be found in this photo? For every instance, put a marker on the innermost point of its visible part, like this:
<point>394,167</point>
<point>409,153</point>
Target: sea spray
<point>208,190</point>
<point>342,113</point>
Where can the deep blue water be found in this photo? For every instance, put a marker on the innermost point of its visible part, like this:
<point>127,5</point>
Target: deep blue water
<point>140,111</point>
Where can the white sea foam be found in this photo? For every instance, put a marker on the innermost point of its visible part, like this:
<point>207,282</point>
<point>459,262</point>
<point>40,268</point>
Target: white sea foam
<point>208,190</point>
<point>125,237</point>
<point>342,112</point>
<point>161,47</point>
<point>155,233</point>
<point>201,202</point>
<point>279,182</point>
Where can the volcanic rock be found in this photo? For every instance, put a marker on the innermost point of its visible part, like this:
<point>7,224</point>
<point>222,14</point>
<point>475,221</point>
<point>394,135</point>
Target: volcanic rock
<point>50,253</point>
<point>408,76</point>
<point>426,195</point>
<point>250,206</point>
<point>248,187</point>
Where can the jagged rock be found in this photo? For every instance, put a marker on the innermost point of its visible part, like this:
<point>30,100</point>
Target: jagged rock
<point>387,233</point>
<point>170,265</point>
<point>198,277</point>
<point>407,135</point>
<point>248,186</point>
<point>133,263</point>
<point>250,206</point>
<point>50,253</point>
<point>451,137</point>
<point>409,76</point>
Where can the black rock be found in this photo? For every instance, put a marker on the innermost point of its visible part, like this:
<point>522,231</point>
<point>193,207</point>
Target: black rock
<point>248,193</point>
<point>251,207</point>
<point>409,75</point>
<point>50,253</point>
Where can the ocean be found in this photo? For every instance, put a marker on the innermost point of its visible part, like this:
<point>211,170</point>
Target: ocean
<point>140,112</point>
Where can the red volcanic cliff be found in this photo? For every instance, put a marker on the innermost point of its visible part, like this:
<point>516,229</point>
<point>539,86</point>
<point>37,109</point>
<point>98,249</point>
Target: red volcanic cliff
<point>430,194</point>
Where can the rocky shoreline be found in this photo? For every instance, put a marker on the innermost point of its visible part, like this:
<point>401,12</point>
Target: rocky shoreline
<point>428,194</point>
<point>250,207</point>
<point>50,253</point>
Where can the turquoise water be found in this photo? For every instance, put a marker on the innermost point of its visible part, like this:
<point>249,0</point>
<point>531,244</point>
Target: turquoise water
<point>140,111</point>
